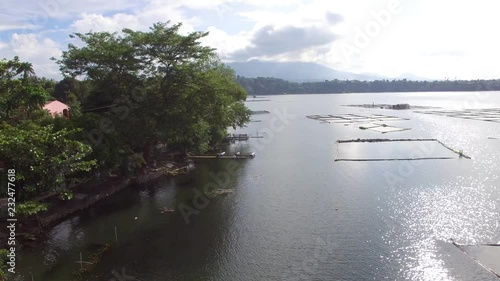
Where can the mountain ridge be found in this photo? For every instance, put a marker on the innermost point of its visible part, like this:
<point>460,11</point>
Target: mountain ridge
<point>300,71</point>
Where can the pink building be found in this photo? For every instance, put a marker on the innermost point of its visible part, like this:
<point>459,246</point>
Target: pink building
<point>57,108</point>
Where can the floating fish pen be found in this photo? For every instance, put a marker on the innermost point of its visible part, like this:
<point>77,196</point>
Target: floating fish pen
<point>382,128</point>
<point>486,255</point>
<point>487,114</point>
<point>363,150</point>
<point>223,155</point>
<point>355,118</point>
<point>399,106</point>
<point>373,122</point>
<point>382,140</point>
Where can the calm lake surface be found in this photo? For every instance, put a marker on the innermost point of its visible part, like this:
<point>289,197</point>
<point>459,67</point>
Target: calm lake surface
<point>295,213</point>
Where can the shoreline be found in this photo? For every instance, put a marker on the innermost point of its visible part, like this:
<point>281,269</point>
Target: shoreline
<point>90,193</point>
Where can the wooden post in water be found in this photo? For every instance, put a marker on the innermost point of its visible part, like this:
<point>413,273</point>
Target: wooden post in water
<point>81,262</point>
<point>116,235</point>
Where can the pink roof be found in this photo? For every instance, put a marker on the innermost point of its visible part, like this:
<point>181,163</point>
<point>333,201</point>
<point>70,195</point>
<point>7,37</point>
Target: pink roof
<point>55,107</point>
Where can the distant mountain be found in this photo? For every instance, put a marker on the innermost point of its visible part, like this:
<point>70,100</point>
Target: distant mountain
<point>296,71</point>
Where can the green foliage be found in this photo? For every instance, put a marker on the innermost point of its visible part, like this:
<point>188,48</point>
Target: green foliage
<point>47,84</point>
<point>74,104</point>
<point>108,148</point>
<point>71,86</point>
<point>134,163</point>
<point>165,85</point>
<point>140,88</point>
<point>273,86</point>
<point>30,208</point>
<point>43,157</point>
<point>18,93</point>
<point>65,194</point>
<point>3,263</point>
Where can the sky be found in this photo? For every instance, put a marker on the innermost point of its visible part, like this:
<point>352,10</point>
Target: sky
<point>431,39</point>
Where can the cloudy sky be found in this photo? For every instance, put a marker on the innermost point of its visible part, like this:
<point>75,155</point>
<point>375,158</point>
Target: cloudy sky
<point>432,39</point>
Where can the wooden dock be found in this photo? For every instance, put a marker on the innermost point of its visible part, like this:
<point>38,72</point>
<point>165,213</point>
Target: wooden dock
<point>224,156</point>
<point>239,137</point>
<point>259,112</point>
<point>236,137</point>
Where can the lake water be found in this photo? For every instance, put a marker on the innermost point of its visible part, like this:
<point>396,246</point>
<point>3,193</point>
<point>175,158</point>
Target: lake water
<point>295,213</point>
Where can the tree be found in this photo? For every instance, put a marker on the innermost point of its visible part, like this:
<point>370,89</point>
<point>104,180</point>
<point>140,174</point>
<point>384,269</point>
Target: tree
<point>67,86</point>
<point>165,85</point>
<point>18,95</point>
<point>74,104</point>
<point>109,149</point>
<point>47,84</point>
<point>44,158</point>
<point>30,208</point>
<point>3,263</point>
<point>271,86</point>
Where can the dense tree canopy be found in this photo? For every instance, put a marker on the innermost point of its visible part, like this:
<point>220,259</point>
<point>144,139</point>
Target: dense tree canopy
<point>18,95</point>
<point>273,86</point>
<point>44,157</point>
<point>165,85</point>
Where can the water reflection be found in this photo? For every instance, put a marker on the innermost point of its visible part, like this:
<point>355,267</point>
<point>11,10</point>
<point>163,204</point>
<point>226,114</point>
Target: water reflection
<point>464,210</point>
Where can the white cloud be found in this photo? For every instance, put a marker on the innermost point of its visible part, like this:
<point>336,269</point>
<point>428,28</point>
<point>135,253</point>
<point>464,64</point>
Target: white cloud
<point>95,23</point>
<point>42,10</point>
<point>224,42</point>
<point>140,19</point>
<point>4,27</point>
<point>36,50</point>
<point>428,38</point>
<point>436,40</point>
<point>3,45</point>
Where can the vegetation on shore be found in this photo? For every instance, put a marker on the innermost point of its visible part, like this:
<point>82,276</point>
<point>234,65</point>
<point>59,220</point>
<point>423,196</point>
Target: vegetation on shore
<point>128,92</point>
<point>274,86</point>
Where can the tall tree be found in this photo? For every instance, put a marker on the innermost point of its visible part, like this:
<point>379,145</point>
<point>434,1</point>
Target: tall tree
<point>163,84</point>
<point>18,95</point>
